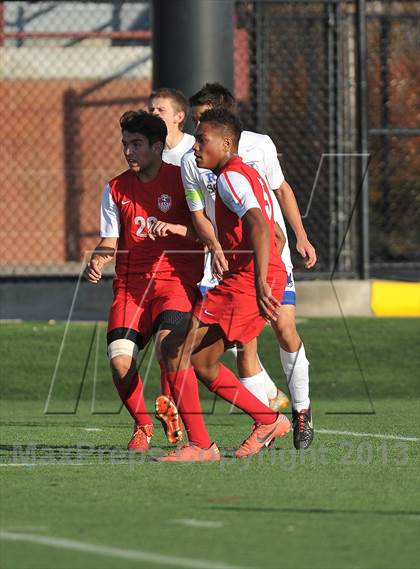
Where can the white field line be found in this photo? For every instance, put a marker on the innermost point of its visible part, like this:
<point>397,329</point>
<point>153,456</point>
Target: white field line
<point>373,435</point>
<point>133,554</point>
<point>192,523</point>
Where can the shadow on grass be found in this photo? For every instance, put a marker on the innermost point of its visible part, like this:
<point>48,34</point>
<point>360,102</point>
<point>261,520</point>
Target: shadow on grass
<point>317,511</point>
<point>38,452</point>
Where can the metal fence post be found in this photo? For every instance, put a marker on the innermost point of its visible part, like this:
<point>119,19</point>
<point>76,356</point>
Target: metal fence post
<point>73,191</point>
<point>362,139</point>
<point>192,43</point>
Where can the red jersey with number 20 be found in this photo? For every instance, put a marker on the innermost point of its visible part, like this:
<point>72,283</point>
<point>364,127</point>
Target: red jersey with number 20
<point>240,188</point>
<point>129,209</point>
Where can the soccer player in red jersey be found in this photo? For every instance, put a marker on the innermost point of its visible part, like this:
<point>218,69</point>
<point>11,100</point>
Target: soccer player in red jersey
<point>236,310</point>
<point>258,151</point>
<point>155,282</point>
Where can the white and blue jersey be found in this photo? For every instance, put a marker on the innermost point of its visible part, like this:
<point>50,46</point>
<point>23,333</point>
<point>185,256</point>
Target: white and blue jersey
<point>258,151</point>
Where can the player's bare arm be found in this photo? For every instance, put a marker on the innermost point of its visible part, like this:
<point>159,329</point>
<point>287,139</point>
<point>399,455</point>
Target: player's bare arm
<point>207,236</point>
<point>280,238</point>
<point>164,229</point>
<point>103,254</point>
<point>259,237</point>
<point>290,208</point>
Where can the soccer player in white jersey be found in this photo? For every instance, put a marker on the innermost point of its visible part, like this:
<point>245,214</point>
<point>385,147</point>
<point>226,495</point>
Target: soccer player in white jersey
<point>172,107</point>
<point>258,151</point>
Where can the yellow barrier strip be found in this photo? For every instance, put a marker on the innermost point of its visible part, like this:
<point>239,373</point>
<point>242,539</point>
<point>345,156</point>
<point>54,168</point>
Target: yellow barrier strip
<point>395,298</point>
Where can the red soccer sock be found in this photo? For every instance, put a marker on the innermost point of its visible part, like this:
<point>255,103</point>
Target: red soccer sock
<point>184,387</point>
<point>132,396</point>
<point>227,386</point>
<point>165,387</point>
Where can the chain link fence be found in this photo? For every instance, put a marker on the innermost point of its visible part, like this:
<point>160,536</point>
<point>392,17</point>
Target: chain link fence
<point>303,92</point>
<point>69,70</point>
<point>394,137</point>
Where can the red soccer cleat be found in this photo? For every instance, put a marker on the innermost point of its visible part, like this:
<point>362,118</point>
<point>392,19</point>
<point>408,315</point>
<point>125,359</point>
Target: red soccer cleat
<point>262,436</point>
<point>167,413</point>
<point>192,453</point>
<point>140,440</point>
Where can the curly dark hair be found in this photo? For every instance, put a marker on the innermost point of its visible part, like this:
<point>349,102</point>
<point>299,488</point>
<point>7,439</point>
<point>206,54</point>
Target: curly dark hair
<point>141,122</point>
<point>229,121</point>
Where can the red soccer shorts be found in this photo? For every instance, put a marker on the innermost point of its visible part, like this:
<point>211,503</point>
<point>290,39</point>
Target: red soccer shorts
<point>232,305</point>
<point>136,308</point>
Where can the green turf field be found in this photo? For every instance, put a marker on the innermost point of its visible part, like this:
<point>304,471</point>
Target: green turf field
<point>72,497</point>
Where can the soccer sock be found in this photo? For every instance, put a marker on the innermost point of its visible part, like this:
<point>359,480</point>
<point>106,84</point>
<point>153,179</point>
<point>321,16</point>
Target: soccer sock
<point>165,387</point>
<point>228,387</point>
<point>270,387</point>
<point>132,397</point>
<point>184,386</point>
<point>296,368</point>
<point>233,350</point>
<point>255,384</point>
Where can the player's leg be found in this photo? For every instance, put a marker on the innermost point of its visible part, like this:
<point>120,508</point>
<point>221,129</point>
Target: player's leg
<point>207,344</point>
<point>251,373</point>
<point>238,319</point>
<point>130,389</point>
<point>176,349</point>
<point>170,310</point>
<point>296,368</point>
<point>221,381</point>
<point>124,342</point>
<point>173,322</point>
<point>254,377</point>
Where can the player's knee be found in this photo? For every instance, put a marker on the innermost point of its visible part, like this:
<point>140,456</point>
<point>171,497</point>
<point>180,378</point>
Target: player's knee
<point>123,367</point>
<point>206,369</point>
<point>175,346</point>
<point>170,350</point>
<point>288,336</point>
<point>206,374</point>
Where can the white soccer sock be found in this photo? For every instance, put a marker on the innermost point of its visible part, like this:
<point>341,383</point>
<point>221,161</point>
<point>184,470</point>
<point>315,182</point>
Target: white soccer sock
<point>255,385</point>
<point>296,368</point>
<point>233,350</point>
<point>269,385</point>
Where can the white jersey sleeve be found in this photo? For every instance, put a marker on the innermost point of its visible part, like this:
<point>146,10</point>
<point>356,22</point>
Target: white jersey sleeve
<point>191,181</point>
<point>110,215</point>
<point>273,171</point>
<point>236,193</point>
<point>174,155</point>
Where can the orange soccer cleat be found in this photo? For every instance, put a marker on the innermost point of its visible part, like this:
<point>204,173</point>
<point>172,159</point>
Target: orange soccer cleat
<point>140,440</point>
<point>192,453</point>
<point>167,413</point>
<point>263,436</point>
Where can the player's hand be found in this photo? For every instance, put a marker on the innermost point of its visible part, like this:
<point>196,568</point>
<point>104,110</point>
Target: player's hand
<point>218,262</point>
<point>93,271</point>
<point>307,250</point>
<point>162,229</point>
<point>269,305</point>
